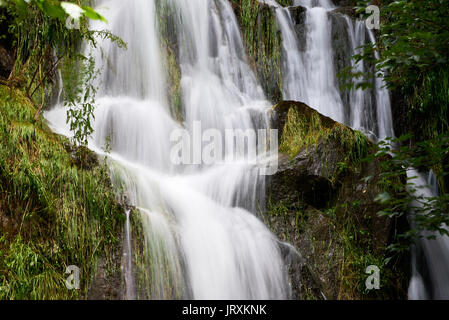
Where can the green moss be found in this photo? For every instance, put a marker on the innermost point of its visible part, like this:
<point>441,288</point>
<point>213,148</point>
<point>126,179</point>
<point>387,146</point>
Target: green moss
<point>305,127</point>
<point>346,235</point>
<point>54,213</point>
<point>166,21</point>
<point>360,250</point>
<point>263,42</point>
<point>174,83</point>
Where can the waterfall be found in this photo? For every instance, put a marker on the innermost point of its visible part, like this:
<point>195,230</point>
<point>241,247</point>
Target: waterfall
<point>310,74</point>
<point>201,226</point>
<point>435,252</point>
<point>202,233</point>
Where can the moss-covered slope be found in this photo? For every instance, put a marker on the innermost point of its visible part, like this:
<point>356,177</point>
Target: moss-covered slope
<point>55,210</point>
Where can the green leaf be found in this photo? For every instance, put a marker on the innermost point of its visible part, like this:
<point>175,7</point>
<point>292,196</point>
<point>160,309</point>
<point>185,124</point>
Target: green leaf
<point>54,11</point>
<point>383,197</point>
<point>92,14</point>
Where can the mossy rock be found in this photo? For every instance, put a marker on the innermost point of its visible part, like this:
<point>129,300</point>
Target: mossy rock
<point>316,143</point>
<point>263,42</point>
<point>320,202</point>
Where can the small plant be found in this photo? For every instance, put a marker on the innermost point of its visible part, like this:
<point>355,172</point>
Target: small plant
<point>81,104</point>
<point>400,194</point>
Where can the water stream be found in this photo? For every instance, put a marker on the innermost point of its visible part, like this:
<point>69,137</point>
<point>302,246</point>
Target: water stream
<point>310,74</point>
<point>203,240</point>
<point>201,222</point>
<point>428,255</point>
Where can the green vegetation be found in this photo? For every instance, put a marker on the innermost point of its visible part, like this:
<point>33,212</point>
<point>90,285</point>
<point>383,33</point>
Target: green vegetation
<point>38,29</point>
<point>169,40</point>
<point>429,99</point>
<point>43,42</point>
<point>412,40</point>
<point>55,212</point>
<point>361,248</point>
<point>413,59</point>
<point>57,204</point>
<point>430,212</point>
<point>338,243</point>
<point>305,127</point>
<point>263,42</point>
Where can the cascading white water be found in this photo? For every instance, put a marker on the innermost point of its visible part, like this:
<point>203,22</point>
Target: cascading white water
<point>203,240</point>
<point>202,243</point>
<point>435,251</point>
<point>310,76</point>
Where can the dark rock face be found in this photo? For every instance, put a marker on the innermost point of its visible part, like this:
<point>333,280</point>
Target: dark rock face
<point>345,3</point>
<point>298,15</point>
<point>318,200</point>
<point>268,68</point>
<point>108,281</point>
<point>6,63</point>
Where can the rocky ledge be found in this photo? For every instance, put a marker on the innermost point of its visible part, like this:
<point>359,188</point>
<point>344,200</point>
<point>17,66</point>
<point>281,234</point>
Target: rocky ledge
<point>322,201</point>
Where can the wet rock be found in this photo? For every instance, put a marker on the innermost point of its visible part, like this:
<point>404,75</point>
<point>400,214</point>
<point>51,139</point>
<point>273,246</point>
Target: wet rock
<point>107,284</point>
<point>263,43</point>
<point>298,15</point>
<point>6,63</point>
<point>345,3</point>
<point>349,11</point>
<point>319,202</point>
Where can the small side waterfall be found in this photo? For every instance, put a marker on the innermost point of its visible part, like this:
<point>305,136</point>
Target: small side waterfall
<point>433,252</point>
<point>310,74</point>
<point>127,265</point>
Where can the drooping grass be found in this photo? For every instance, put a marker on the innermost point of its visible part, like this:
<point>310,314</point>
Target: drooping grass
<point>54,213</point>
<point>359,251</point>
<point>430,100</point>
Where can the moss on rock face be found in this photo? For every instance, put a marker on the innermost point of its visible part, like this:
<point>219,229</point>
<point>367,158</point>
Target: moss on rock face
<point>303,127</point>
<point>166,22</point>
<point>54,212</point>
<point>263,41</point>
<point>322,200</point>
<point>174,82</point>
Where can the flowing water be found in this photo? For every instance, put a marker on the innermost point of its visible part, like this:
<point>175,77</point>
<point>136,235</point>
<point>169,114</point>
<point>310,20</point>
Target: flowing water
<point>201,222</point>
<point>203,241</point>
<point>433,254</point>
<point>310,74</point>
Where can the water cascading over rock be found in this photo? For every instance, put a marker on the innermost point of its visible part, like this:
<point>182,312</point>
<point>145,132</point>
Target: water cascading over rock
<point>202,242</point>
<point>202,233</point>
<point>314,55</point>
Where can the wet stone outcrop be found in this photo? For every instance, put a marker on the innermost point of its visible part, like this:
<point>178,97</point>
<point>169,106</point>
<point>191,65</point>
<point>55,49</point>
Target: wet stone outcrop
<point>322,201</point>
<point>298,15</point>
